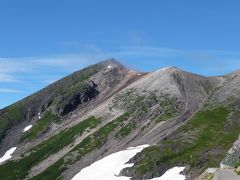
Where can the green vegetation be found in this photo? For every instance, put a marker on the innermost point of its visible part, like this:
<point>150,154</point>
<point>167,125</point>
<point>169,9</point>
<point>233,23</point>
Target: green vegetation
<point>125,130</point>
<point>64,99</point>
<point>202,142</point>
<point>40,126</point>
<point>132,102</point>
<point>9,117</point>
<point>164,117</point>
<point>71,85</point>
<point>168,103</point>
<point>169,108</point>
<point>74,80</point>
<point>19,169</point>
<point>92,142</point>
<point>147,162</point>
<point>140,105</point>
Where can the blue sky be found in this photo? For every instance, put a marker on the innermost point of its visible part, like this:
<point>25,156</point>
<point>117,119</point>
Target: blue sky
<point>44,40</point>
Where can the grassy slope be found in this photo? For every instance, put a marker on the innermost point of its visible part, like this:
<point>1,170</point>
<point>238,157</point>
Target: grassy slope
<point>40,126</point>
<point>125,130</point>
<point>19,169</point>
<point>160,107</point>
<point>200,143</point>
<point>91,143</point>
<point>12,116</point>
<point>139,105</point>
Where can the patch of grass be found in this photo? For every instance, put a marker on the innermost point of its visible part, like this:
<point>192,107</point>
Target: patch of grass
<point>160,107</point>
<point>164,117</point>
<point>71,91</point>
<point>170,109</point>
<point>92,142</point>
<point>213,136</point>
<point>125,130</point>
<point>10,116</point>
<point>147,163</point>
<point>19,169</point>
<point>41,126</point>
<point>132,102</point>
<point>74,80</point>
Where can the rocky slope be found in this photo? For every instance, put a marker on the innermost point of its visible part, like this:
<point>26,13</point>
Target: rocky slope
<point>189,120</point>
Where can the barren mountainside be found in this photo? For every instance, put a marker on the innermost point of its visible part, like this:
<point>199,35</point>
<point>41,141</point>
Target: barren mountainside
<point>187,119</point>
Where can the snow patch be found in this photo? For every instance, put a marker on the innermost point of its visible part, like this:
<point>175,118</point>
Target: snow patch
<point>172,174</point>
<point>141,146</point>
<point>7,154</point>
<point>27,128</point>
<point>109,67</point>
<point>39,115</point>
<point>109,167</point>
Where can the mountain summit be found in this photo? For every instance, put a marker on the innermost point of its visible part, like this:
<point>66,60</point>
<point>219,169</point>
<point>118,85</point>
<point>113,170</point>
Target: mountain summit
<point>187,120</point>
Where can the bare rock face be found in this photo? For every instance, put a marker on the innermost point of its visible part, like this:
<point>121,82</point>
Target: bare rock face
<point>106,107</point>
<point>232,157</point>
<point>88,93</point>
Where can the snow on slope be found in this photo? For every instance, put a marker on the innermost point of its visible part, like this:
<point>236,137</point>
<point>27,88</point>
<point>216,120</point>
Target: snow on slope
<point>27,128</point>
<point>109,167</point>
<point>172,174</point>
<point>7,154</point>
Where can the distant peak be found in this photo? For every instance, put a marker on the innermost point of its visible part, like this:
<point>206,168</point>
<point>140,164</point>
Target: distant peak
<point>170,68</point>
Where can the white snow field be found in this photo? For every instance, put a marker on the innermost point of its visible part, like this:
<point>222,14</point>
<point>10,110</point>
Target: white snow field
<point>109,167</point>
<point>172,174</point>
<point>7,154</point>
<point>27,128</point>
<point>109,67</point>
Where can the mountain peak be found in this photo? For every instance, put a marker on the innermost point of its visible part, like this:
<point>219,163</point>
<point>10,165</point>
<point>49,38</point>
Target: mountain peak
<point>111,63</point>
<point>170,69</point>
<point>106,108</point>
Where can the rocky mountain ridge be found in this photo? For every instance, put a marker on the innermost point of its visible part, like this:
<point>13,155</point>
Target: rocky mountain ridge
<point>106,108</point>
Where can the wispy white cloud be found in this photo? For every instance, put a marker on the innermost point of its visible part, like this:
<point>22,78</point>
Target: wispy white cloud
<point>6,90</point>
<point>13,65</point>
<point>11,69</point>
<point>8,78</point>
<point>66,61</point>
